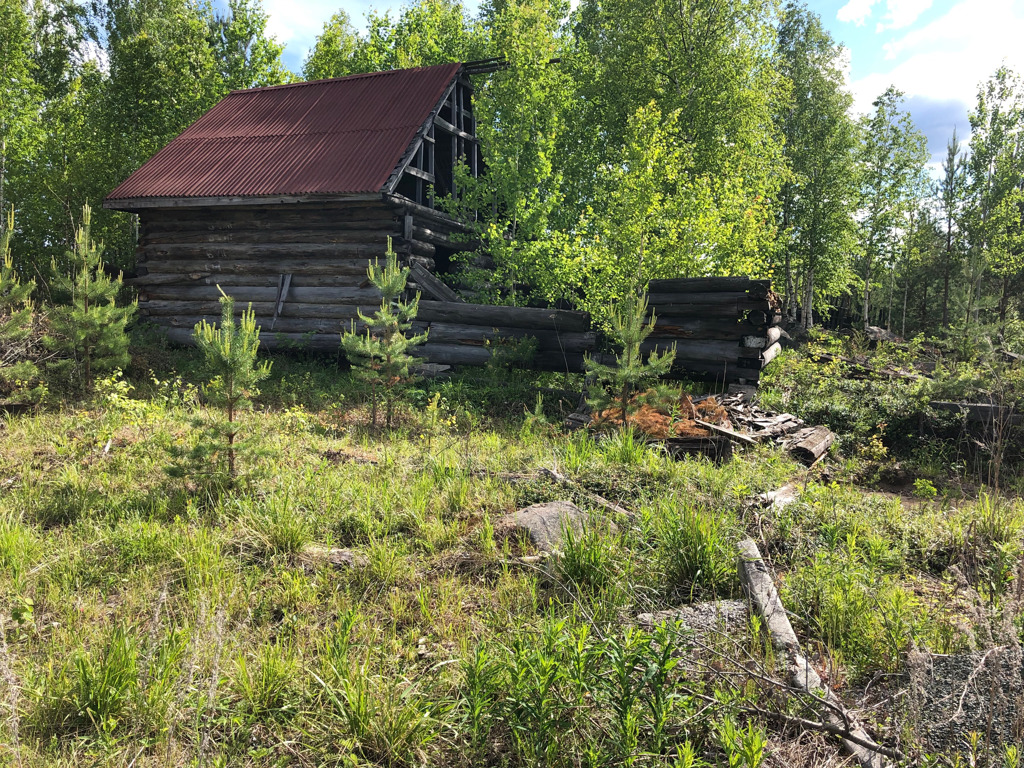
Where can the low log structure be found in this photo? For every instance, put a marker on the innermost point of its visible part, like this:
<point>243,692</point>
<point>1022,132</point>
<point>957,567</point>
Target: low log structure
<point>724,329</point>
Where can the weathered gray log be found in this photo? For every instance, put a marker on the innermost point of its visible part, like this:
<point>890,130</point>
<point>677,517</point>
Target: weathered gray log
<point>657,299</point>
<point>160,308</point>
<point>528,318</point>
<point>763,317</point>
<point>703,328</point>
<point>809,445</point>
<point>323,234</point>
<point>770,354</point>
<point>246,293</point>
<point>710,307</point>
<point>261,251</point>
<point>254,280</point>
<point>758,288</point>
<point>478,335</point>
<point>981,413</point>
<point>314,266</point>
<point>759,585</point>
<point>283,324</point>
<point>716,448</point>
<point>736,437</point>
<point>689,349</point>
<point>269,340</point>
<point>764,340</point>
<point>461,354</point>
<point>431,285</point>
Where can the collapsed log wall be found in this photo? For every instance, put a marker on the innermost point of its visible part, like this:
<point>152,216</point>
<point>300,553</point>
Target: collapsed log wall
<point>302,267</point>
<point>724,329</point>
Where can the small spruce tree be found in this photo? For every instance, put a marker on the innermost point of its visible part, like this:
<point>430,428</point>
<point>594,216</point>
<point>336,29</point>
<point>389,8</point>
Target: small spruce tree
<point>380,354</point>
<point>230,355</point>
<point>89,334</point>
<point>17,322</point>
<point>616,384</point>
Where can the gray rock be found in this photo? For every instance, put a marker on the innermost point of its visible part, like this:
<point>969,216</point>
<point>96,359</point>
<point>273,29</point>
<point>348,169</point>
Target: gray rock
<point>339,558</point>
<point>728,616</point>
<point>952,695</point>
<point>545,523</point>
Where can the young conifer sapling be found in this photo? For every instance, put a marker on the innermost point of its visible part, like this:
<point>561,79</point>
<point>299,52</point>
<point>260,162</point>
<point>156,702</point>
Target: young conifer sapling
<point>617,384</point>
<point>380,354</point>
<point>16,317</point>
<point>230,355</point>
<point>90,332</point>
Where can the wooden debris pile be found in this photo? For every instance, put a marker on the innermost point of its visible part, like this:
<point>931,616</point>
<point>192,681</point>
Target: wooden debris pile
<point>711,424</point>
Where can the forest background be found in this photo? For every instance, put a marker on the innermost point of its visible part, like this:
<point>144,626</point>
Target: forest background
<point>625,141</point>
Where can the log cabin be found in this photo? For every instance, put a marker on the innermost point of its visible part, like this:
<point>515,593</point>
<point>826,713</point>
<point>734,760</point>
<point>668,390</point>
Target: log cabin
<point>281,196</point>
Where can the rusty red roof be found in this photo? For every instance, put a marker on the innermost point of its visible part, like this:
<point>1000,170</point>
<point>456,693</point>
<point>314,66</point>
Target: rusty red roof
<point>330,137</point>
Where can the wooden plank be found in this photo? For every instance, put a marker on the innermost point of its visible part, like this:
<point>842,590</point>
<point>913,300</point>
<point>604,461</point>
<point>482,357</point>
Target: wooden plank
<point>324,236</point>
<point>431,285</point>
<point>734,436</point>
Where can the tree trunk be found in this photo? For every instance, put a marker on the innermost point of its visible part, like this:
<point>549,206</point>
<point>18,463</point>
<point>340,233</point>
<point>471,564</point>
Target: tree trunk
<point>790,307</point>
<point>809,301</point>
<point>945,298</point>
<point>903,322</point>
<point>867,294</point>
<point>1004,300</point>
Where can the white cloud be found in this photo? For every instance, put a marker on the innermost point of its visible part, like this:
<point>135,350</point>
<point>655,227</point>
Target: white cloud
<point>947,58</point>
<point>856,11</point>
<point>898,13</point>
<point>902,13</point>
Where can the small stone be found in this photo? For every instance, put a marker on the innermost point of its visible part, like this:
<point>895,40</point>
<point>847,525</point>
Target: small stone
<point>339,558</point>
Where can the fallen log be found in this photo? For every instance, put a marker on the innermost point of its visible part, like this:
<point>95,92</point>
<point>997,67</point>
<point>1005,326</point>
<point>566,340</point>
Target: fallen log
<point>809,445</point>
<point>760,588</point>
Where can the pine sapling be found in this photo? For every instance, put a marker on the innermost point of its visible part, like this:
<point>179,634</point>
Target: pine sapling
<point>230,355</point>
<point>616,384</point>
<point>89,333</point>
<point>17,322</point>
<point>380,354</point>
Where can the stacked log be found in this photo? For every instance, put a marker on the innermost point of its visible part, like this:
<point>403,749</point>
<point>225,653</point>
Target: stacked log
<point>187,256</point>
<point>724,329</point>
<point>466,334</point>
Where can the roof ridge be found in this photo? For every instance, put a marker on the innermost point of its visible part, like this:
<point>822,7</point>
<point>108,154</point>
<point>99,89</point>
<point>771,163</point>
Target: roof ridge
<point>339,79</point>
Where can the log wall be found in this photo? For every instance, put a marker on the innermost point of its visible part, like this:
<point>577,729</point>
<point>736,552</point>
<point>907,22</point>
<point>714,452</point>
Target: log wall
<point>320,251</point>
<point>724,329</point>
<point>302,267</point>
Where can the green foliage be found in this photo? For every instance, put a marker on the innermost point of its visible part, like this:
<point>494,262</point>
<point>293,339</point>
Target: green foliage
<point>380,354</point>
<point>246,56</point>
<point>891,158</point>
<point>335,49</point>
<point>617,384</point>
<point>19,375</point>
<point>229,352</point>
<point>819,198</point>
<point>696,551</point>
<point>89,333</point>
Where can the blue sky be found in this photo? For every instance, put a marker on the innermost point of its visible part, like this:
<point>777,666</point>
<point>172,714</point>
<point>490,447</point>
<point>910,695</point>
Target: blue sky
<point>935,51</point>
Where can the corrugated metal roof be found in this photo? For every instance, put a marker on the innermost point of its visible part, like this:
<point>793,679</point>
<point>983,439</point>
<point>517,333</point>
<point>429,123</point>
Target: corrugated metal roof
<point>342,136</point>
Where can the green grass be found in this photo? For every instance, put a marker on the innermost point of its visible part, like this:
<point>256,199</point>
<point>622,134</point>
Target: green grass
<point>155,618</point>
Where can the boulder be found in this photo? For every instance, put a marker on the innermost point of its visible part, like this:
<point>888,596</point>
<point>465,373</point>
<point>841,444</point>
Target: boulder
<point>545,523</point>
